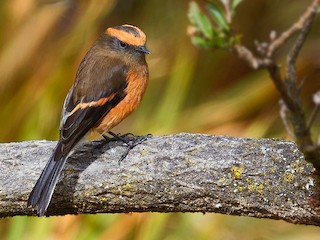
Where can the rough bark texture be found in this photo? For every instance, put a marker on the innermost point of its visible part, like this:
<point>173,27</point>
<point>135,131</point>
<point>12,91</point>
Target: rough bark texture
<point>265,178</point>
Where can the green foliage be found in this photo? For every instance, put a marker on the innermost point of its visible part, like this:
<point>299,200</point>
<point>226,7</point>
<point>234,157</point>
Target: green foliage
<point>200,20</point>
<point>217,13</point>
<point>214,29</point>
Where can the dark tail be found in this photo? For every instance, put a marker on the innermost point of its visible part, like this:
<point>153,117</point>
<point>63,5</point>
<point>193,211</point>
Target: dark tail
<point>42,192</point>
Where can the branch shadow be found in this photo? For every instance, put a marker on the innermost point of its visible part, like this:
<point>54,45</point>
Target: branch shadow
<point>83,156</point>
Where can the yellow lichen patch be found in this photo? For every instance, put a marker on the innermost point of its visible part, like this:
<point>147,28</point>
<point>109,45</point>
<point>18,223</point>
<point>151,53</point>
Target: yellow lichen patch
<point>257,188</point>
<point>260,188</point>
<point>222,180</point>
<point>127,187</point>
<point>272,170</point>
<point>288,177</point>
<point>251,188</point>
<point>237,171</point>
<point>143,152</point>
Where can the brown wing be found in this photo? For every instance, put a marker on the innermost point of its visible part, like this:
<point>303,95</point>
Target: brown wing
<point>100,85</point>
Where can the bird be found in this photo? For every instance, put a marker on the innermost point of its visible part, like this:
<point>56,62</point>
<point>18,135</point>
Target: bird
<point>109,84</point>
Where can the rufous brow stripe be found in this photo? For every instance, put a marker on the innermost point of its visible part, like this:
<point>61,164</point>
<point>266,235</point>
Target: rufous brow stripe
<point>128,37</point>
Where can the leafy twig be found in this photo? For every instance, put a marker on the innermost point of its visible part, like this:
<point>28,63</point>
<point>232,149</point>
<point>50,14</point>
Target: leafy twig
<point>292,113</point>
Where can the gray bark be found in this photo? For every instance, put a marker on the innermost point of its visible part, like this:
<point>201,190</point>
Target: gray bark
<point>264,178</point>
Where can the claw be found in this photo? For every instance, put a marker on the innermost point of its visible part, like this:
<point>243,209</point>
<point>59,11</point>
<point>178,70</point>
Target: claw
<point>131,144</point>
<point>129,139</point>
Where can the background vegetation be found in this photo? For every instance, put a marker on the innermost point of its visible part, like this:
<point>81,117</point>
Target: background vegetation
<point>43,41</point>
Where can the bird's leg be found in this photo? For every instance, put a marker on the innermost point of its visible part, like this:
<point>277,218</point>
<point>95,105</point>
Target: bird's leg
<point>131,143</point>
<point>119,137</point>
<point>108,139</point>
<point>116,137</point>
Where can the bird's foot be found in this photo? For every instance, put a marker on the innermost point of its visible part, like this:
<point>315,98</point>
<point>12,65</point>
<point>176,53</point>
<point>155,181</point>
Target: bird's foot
<point>129,139</point>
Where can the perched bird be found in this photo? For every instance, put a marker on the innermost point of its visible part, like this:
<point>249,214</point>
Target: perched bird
<point>109,85</point>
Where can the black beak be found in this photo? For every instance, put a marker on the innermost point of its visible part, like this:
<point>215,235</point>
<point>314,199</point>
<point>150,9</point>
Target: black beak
<point>143,49</point>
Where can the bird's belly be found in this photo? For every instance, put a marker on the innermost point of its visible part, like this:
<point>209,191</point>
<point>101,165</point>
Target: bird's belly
<point>134,93</point>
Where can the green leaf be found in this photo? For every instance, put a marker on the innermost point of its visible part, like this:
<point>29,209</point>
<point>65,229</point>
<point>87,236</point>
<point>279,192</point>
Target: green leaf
<point>218,15</point>
<point>200,42</point>
<point>199,20</point>
<point>224,2</point>
<point>234,5</point>
<point>219,42</point>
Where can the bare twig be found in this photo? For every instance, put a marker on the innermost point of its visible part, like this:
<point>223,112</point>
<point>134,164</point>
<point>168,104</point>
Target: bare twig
<point>316,110</point>
<point>254,62</point>
<point>284,117</point>
<point>306,27</point>
<point>291,77</point>
<point>285,36</point>
<point>297,115</point>
<point>227,9</point>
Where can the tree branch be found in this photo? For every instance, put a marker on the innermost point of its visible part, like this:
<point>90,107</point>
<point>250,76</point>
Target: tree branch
<point>288,86</point>
<point>308,16</point>
<point>263,178</point>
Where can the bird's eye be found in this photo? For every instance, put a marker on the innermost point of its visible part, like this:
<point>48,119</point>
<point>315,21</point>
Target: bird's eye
<point>122,44</point>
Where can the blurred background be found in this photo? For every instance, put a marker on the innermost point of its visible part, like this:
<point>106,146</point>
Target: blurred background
<point>41,45</point>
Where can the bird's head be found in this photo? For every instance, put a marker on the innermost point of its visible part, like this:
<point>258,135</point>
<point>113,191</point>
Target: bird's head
<point>127,40</point>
